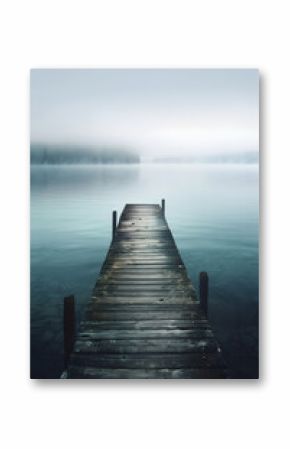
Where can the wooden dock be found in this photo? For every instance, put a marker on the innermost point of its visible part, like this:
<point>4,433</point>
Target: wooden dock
<point>144,319</point>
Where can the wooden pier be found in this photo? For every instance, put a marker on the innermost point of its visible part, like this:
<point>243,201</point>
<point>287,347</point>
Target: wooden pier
<point>144,319</point>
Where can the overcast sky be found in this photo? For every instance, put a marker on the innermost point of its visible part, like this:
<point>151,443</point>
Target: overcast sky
<point>156,112</point>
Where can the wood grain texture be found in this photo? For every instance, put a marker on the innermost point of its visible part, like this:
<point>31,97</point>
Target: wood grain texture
<point>144,319</point>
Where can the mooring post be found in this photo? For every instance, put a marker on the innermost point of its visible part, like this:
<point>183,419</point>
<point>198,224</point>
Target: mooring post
<point>68,326</point>
<point>203,291</point>
<point>163,207</point>
<point>114,223</point>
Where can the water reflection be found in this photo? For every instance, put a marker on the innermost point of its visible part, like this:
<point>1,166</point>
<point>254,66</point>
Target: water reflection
<point>68,178</point>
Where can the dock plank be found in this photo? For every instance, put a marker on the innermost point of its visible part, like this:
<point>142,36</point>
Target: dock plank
<point>147,373</point>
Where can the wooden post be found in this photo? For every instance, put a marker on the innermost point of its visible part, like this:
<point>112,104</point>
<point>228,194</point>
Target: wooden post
<point>68,326</point>
<point>163,207</point>
<point>114,223</point>
<point>203,291</point>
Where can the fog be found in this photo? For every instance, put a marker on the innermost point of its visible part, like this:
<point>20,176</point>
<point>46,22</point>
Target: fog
<point>155,113</point>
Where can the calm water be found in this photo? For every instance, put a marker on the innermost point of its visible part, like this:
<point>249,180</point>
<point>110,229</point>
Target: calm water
<point>212,212</point>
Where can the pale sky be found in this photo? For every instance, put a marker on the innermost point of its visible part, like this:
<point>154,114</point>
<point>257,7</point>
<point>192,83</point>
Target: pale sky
<point>155,112</point>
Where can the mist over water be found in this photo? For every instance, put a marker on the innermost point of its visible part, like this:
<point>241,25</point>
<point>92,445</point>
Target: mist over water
<point>212,211</point>
<point>157,112</point>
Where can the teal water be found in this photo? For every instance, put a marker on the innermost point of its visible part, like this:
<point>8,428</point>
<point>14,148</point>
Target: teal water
<point>212,211</point>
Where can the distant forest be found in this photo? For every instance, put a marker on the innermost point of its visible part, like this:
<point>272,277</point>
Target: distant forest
<point>53,154</point>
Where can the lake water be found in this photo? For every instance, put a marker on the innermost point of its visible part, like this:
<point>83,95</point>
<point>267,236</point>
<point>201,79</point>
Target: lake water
<point>212,211</point>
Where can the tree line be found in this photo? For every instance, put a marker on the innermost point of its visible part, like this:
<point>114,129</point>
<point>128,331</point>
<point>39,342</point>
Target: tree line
<point>48,154</point>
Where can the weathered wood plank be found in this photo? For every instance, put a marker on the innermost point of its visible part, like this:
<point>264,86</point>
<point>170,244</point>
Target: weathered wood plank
<point>138,281</point>
<point>140,345</point>
<point>160,309</point>
<point>149,360</point>
<point>135,290</point>
<point>99,373</point>
<point>148,324</point>
<point>121,334</point>
<point>188,307</point>
<point>150,300</point>
<point>96,313</point>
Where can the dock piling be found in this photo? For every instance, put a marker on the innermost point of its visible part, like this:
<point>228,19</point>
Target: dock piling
<point>203,291</point>
<point>68,326</point>
<point>114,224</point>
<point>163,207</point>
